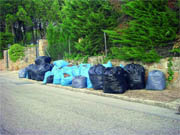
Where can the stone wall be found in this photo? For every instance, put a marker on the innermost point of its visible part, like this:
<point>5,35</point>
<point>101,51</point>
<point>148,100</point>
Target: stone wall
<point>162,66</point>
<point>43,43</point>
<point>29,58</point>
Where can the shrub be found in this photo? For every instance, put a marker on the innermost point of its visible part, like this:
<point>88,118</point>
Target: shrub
<point>16,52</point>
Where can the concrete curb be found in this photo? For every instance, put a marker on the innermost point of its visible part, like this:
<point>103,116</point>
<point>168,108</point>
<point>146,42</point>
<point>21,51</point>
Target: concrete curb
<point>169,105</point>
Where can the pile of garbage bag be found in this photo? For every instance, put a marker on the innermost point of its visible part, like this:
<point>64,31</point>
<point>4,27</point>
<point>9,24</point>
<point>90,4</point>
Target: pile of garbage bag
<point>99,77</point>
<point>37,71</point>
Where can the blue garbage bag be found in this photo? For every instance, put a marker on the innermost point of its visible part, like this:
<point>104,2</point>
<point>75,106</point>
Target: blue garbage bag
<point>79,82</point>
<point>47,74</point>
<point>67,70</point>
<point>84,68</point>
<point>23,73</point>
<point>75,70</point>
<point>54,69</point>
<point>60,63</point>
<point>156,80</point>
<point>66,79</point>
<point>57,76</point>
<point>108,64</point>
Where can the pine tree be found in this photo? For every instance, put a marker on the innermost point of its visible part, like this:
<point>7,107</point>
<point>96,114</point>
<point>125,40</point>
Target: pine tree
<point>86,20</point>
<point>152,24</point>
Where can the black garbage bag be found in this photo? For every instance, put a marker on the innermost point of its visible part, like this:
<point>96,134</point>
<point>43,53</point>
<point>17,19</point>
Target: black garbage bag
<point>42,69</point>
<point>136,76</point>
<point>22,73</point>
<point>156,80</point>
<point>115,80</point>
<point>79,82</point>
<point>50,79</point>
<point>43,60</point>
<point>32,71</point>
<point>96,76</point>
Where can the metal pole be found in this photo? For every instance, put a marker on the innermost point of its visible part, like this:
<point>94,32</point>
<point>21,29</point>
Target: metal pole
<point>69,47</point>
<point>105,44</point>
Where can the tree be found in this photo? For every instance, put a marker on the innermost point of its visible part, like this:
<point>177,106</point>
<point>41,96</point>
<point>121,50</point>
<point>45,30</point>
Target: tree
<point>152,24</point>
<point>86,20</point>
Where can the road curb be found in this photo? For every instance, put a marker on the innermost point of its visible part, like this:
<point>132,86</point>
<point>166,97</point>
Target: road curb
<point>168,105</point>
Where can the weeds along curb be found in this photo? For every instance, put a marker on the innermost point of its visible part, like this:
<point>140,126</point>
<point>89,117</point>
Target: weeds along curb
<point>167,105</point>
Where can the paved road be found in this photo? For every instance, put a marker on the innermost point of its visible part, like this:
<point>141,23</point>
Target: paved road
<point>28,108</point>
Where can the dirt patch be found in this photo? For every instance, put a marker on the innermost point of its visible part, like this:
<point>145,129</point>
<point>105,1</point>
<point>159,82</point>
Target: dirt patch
<point>164,96</point>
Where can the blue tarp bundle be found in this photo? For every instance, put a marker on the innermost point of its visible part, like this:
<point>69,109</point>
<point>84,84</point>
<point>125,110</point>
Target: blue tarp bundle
<point>156,80</point>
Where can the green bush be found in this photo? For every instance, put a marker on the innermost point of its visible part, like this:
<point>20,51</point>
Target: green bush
<point>5,39</point>
<point>151,25</point>
<point>16,52</point>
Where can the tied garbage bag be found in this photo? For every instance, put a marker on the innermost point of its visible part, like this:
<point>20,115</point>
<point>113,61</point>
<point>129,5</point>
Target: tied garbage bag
<point>42,69</point>
<point>156,80</point>
<point>84,68</point>
<point>60,63</point>
<point>23,73</point>
<point>32,71</point>
<point>79,82</point>
<point>115,80</point>
<point>43,60</point>
<point>96,76</point>
<point>109,64</point>
<point>136,76</point>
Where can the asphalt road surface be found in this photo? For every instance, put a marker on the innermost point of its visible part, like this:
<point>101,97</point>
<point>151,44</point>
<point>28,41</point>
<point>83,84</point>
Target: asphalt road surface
<point>28,108</point>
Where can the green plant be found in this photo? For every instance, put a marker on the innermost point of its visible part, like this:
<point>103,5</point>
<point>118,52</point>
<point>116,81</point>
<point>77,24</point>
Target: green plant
<point>16,52</point>
<point>58,41</point>
<point>76,57</point>
<point>149,26</point>
<point>170,70</point>
<point>175,50</point>
<point>86,20</point>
